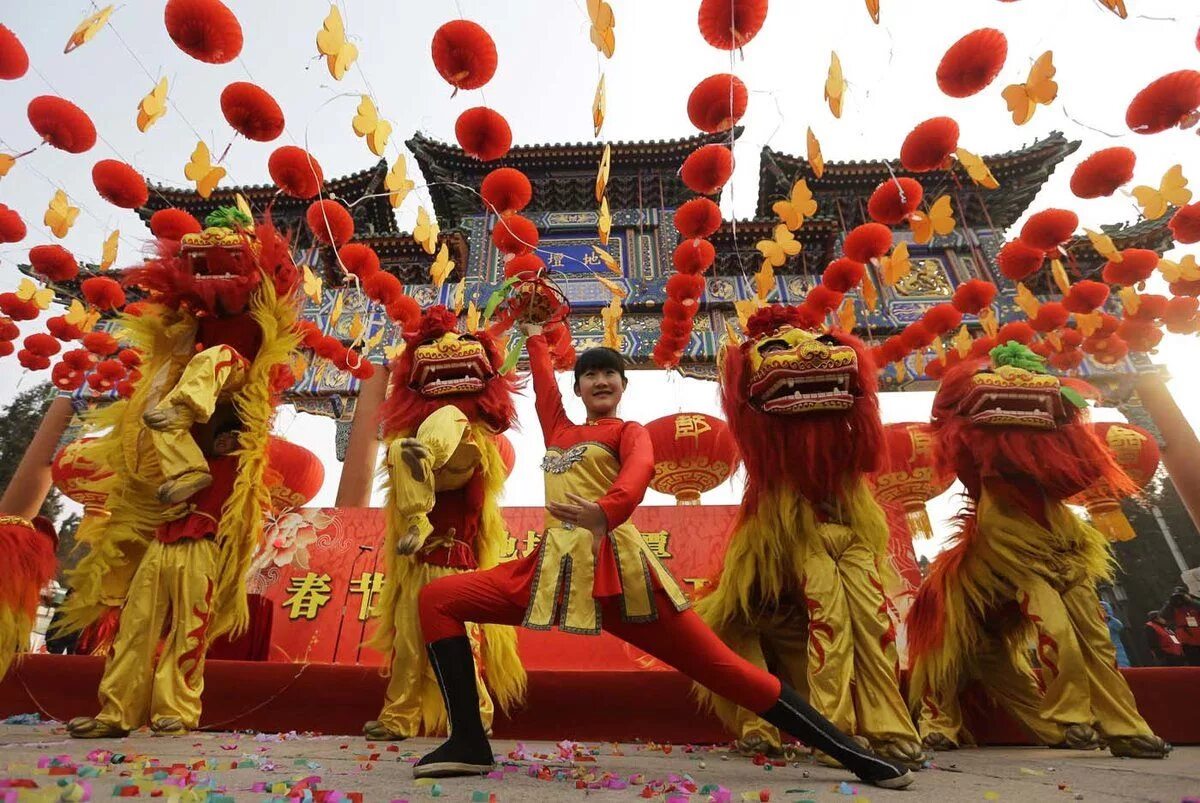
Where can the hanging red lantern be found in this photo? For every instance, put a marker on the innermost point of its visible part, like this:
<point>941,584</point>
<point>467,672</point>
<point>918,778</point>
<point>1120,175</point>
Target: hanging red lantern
<point>483,133</point>
<point>867,242</point>
<point>693,453</point>
<point>1018,261</point>
<point>1138,454</point>
<point>103,293</point>
<point>1185,224</point>
<point>294,475</point>
<point>973,295</point>
<point>295,171</point>
<point>694,256</point>
<point>697,218</point>
<point>930,145</point>
<point>843,274</point>
<point>717,103</point>
<point>61,123</point>
<point>172,224</point>
<point>12,228</point>
<point>204,29</point>
<point>1085,297</point>
<point>1167,102</point>
<point>707,169</point>
<point>730,24</point>
<point>1050,316</point>
<point>120,184</point>
<point>464,54</point>
<point>685,288</point>
<point>359,259</point>
<point>1049,228</point>
<point>1103,173</point>
<point>1136,265</point>
<point>894,200</point>
<point>14,61</point>
<point>514,234</point>
<point>506,190</point>
<point>909,478</point>
<point>330,222</point>
<point>972,63</point>
<point>251,111</point>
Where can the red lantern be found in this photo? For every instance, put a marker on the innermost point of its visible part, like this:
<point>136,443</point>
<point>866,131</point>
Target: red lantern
<point>330,222</point>
<point>908,478</point>
<point>483,133</point>
<point>1138,454</point>
<point>1019,261</point>
<point>103,293</point>
<point>514,234</point>
<point>295,171</point>
<point>697,218</point>
<point>14,61</point>
<point>694,256</point>
<point>972,63</point>
<point>707,168</point>
<point>1102,173</point>
<point>693,453</point>
<point>729,24</point>
<point>54,262</point>
<point>172,224</point>
<point>506,190</point>
<point>1170,101</point>
<point>717,103</point>
<point>120,184</point>
<point>1049,228</point>
<point>251,111</point>
<point>204,29</point>
<point>12,228</point>
<point>294,475</point>
<point>894,200</point>
<point>359,259</point>
<point>61,123</point>
<point>464,54</point>
<point>929,145</point>
<point>867,242</point>
<point>1185,224</point>
<point>1136,265</point>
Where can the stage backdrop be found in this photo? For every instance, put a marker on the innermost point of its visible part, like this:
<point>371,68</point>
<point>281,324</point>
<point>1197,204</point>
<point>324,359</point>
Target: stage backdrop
<point>322,572</point>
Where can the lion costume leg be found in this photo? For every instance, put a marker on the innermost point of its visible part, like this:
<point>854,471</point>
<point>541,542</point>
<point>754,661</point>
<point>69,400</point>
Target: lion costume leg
<point>1016,689</point>
<point>1067,699</point>
<point>830,641</point>
<point>940,720</point>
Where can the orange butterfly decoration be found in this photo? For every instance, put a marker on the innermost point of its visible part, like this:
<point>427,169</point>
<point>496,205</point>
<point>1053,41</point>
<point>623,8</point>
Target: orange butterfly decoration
<point>1039,88</point>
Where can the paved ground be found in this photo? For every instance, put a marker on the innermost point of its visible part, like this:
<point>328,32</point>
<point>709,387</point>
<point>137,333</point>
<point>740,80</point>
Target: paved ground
<point>269,767</point>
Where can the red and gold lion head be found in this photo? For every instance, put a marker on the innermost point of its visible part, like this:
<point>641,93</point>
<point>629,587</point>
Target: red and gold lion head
<point>1005,417</point>
<point>441,365</point>
<point>803,406</point>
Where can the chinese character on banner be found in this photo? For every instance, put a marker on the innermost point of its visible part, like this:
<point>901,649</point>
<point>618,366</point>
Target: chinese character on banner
<point>690,426</point>
<point>657,543</point>
<point>309,594</point>
<point>554,259</point>
<point>368,585</point>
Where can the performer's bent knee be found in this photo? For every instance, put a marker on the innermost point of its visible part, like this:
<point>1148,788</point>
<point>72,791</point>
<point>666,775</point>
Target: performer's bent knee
<point>437,620</point>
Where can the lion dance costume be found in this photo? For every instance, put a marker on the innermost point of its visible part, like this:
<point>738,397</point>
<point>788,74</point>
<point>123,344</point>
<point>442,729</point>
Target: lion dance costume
<point>27,564</point>
<point>448,401</point>
<point>800,590</point>
<point>182,520</point>
<point>1022,569</point>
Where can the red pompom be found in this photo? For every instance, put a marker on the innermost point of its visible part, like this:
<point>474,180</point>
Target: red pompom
<point>916,337</point>
<point>130,358</point>
<point>330,222</point>
<point>1185,224</point>
<point>894,200</point>
<point>204,29</point>
<point>1049,228</point>
<point>65,378</point>
<point>1186,288</point>
<point>1165,103</point>
<point>1102,173</point>
<point>12,228</point>
<point>677,310</point>
<point>80,360</point>
<point>14,61</point>
<point>972,296</point>
<point>42,344</point>
<point>111,370</point>
<point>383,287</point>
<point>982,346</point>
<point>530,265</point>
<point>251,111</point>
<point>172,224</point>
<point>730,24</point>
<point>707,169</point>
<point>942,318</point>
<point>823,300</point>
<point>514,234</point>
<point>699,217</point>
<point>717,103</point>
<point>1136,265</point>
<point>693,256</point>
<point>1050,316</point>
<point>102,344</point>
<point>120,184</point>
<point>359,259</point>
<point>769,319</point>
<point>1151,307</point>
<point>867,241</point>
<point>34,362</point>
<point>972,63</point>
<point>929,145</point>
<point>506,190</point>
<point>483,133</point>
<point>103,293</point>
<point>295,171</point>
<point>405,311</point>
<point>1108,325</point>
<point>1019,261</point>
<point>62,330</point>
<point>61,123</point>
<point>17,308</point>
<point>9,330</point>
<point>1180,312</point>
<point>53,262</point>
<point>685,287</point>
<point>6,348</point>
<point>1106,350</point>
<point>1086,297</point>
<point>1067,360</point>
<point>843,274</point>
<point>464,54</point>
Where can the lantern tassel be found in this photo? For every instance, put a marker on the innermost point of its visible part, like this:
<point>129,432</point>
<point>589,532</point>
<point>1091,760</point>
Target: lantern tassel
<point>1110,520</point>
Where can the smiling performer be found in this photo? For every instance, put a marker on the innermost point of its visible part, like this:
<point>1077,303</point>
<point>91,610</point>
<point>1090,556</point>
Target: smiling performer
<point>593,570</point>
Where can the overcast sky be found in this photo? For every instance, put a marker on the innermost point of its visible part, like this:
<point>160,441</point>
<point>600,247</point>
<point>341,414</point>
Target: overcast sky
<point>544,86</point>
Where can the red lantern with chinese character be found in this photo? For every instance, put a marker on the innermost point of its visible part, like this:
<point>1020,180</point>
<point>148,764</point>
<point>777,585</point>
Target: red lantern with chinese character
<point>294,475</point>
<point>908,478</point>
<point>1137,452</point>
<point>693,453</point>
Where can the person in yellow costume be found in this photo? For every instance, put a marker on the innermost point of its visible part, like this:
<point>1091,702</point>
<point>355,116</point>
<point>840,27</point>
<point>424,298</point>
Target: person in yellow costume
<point>801,590</point>
<point>448,403</point>
<point>176,564</point>
<point>1023,568</point>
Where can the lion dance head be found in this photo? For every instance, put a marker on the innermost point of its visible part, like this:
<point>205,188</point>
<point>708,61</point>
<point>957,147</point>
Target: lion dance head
<point>1006,416</point>
<point>803,405</point>
<point>441,365</point>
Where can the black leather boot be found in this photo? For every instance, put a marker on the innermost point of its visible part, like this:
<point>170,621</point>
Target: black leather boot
<point>467,751</point>
<point>794,716</point>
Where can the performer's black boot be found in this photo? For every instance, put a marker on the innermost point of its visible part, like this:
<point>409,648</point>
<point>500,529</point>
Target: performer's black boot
<point>794,716</point>
<point>467,751</point>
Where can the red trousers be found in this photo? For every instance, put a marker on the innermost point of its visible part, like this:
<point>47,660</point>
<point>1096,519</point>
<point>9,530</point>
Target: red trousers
<point>677,638</point>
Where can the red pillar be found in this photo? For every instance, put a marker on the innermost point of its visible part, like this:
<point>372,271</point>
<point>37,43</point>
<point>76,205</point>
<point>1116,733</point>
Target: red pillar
<point>1181,452</point>
<point>362,453</point>
<point>30,483</point>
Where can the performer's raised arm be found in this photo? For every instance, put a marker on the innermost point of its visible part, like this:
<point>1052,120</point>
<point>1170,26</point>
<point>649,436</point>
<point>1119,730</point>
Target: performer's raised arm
<point>547,396</point>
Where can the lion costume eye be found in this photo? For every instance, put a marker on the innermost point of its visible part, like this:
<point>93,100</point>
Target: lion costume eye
<point>766,347</point>
<point>828,340</point>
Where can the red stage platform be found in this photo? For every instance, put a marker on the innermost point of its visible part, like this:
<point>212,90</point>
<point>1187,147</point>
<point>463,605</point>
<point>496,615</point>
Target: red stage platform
<point>585,706</point>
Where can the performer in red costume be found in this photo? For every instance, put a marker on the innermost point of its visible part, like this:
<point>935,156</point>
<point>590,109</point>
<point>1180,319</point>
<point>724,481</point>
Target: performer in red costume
<point>592,570</point>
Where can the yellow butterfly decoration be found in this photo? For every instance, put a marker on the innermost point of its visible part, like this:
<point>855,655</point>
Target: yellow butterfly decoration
<point>873,10</point>
<point>425,233</point>
<point>815,160</point>
<point>441,267</point>
<point>366,123</point>
<point>796,208</point>
<point>939,220</point>
<point>153,106</point>
<point>783,244</point>
<point>1130,300</point>
<point>108,254</point>
<point>1054,339</point>
<point>397,182</point>
<point>962,341</point>
<point>41,296</point>
<point>299,364</point>
<point>846,317</point>
<point>896,266</point>
<point>1027,301</point>
<point>1089,323</point>
<point>460,295</point>
<point>603,21</point>
<point>604,223</point>
<point>1059,274</point>
<point>745,308</point>
<point>312,284</point>
<point>607,259</point>
<point>901,370</point>
<point>602,172</point>
<point>357,327</point>
<point>939,349</point>
<point>1116,6</point>
<point>60,216</point>
<point>335,314</point>
<point>90,26</point>
<point>331,43</point>
<point>835,85</point>
<point>870,293</point>
<point>1172,191</point>
<point>81,317</point>
<point>977,169</point>
<point>473,316</point>
<point>617,290</point>
<point>611,315</point>
<point>1185,269</point>
<point>1104,246</point>
<point>201,170</point>
<point>393,350</point>
<point>6,163</point>
<point>1039,87</point>
<point>598,108</point>
<point>764,282</point>
<point>987,319</point>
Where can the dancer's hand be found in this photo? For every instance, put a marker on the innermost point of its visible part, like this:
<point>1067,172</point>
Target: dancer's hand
<point>413,454</point>
<point>581,513</point>
<point>531,329</point>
